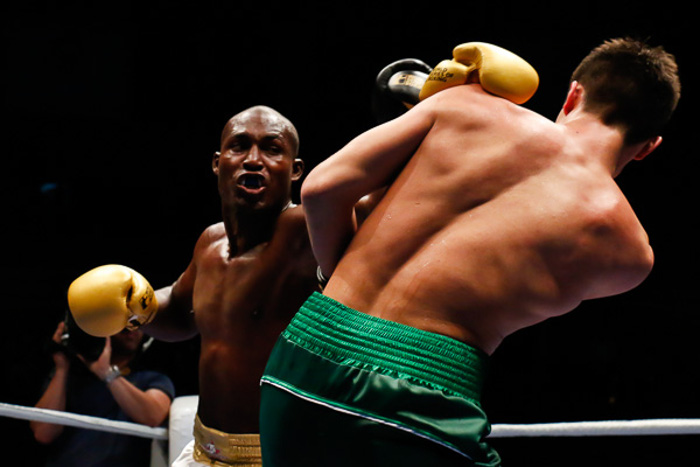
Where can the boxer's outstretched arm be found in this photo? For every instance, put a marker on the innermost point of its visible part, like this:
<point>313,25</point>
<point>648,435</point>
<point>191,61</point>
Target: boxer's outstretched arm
<point>175,318</point>
<point>369,162</point>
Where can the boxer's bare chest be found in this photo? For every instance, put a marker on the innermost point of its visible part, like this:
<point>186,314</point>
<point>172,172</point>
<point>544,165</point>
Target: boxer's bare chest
<point>249,292</point>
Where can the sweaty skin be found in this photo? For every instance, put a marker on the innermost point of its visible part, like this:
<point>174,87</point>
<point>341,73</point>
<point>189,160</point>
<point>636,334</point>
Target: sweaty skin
<point>249,274</point>
<point>499,218</point>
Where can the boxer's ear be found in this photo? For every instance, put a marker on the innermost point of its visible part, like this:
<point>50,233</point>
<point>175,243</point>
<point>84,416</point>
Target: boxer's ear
<point>215,162</point>
<point>574,97</point>
<point>648,148</point>
<point>297,169</point>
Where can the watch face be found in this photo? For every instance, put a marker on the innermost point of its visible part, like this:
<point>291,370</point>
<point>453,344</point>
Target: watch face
<point>113,374</point>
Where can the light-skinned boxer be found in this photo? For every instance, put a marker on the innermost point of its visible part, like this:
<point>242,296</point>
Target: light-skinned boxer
<point>495,219</point>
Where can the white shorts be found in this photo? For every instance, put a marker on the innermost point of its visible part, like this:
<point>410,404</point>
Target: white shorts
<point>186,458</point>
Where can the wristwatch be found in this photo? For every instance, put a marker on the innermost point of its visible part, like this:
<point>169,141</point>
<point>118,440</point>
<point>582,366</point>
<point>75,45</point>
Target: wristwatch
<point>114,373</point>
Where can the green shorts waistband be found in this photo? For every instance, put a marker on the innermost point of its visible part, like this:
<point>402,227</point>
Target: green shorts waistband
<point>347,336</point>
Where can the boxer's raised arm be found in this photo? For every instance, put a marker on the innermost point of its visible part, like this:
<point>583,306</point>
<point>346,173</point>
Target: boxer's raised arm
<point>369,162</point>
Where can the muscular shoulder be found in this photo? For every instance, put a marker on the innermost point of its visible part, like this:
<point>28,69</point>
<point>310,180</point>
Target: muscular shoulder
<point>615,238</point>
<point>470,101</point>
<point>616,216</point>
<point>292,224</point>
<point>211,235</point>
<point>294,215</point>
<point>484,119</point>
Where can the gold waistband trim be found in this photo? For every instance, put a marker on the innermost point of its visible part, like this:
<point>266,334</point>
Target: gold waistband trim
<point>218,449</point>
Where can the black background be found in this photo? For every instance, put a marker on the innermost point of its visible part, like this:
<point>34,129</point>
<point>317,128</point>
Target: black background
<point>113,110</point>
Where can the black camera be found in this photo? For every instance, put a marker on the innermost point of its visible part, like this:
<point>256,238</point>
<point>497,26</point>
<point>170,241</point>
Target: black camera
<point>76,341</point>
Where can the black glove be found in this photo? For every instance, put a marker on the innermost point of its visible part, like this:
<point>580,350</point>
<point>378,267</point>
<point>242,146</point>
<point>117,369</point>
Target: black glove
<point>397,88</point>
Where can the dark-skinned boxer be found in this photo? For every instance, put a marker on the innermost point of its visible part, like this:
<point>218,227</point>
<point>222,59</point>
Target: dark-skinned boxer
<point>248,276</point>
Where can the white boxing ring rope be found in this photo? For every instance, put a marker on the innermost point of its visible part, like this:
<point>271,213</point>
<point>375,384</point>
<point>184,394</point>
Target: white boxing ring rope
<point>184,408</point>
<point>82,421</point>
<point>673,426</point>
<point>650,427</point>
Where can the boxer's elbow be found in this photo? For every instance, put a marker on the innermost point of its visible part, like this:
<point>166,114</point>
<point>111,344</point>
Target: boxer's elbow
<point>332,185</point>
<point>311,190</point>
<point>319,188</point>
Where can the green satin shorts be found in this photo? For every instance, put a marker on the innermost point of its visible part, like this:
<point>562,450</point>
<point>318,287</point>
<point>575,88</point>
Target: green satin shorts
<point>343,388</point>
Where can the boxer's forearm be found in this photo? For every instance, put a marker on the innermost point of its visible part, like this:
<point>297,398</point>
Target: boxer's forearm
<point>331,227</point>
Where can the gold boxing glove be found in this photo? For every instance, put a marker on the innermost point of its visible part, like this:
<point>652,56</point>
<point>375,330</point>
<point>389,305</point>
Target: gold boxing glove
<point>109,298</point>
<point>499,72</point>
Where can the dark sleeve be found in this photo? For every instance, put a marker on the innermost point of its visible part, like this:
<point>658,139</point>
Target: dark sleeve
<point>145,380</point>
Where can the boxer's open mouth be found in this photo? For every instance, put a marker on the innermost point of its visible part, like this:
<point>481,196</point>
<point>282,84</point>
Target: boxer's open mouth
<point>251,182</point>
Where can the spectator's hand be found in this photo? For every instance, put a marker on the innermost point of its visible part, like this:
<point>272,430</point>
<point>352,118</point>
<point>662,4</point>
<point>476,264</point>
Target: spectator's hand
<point>60,359</point>
<point>102,366</point>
